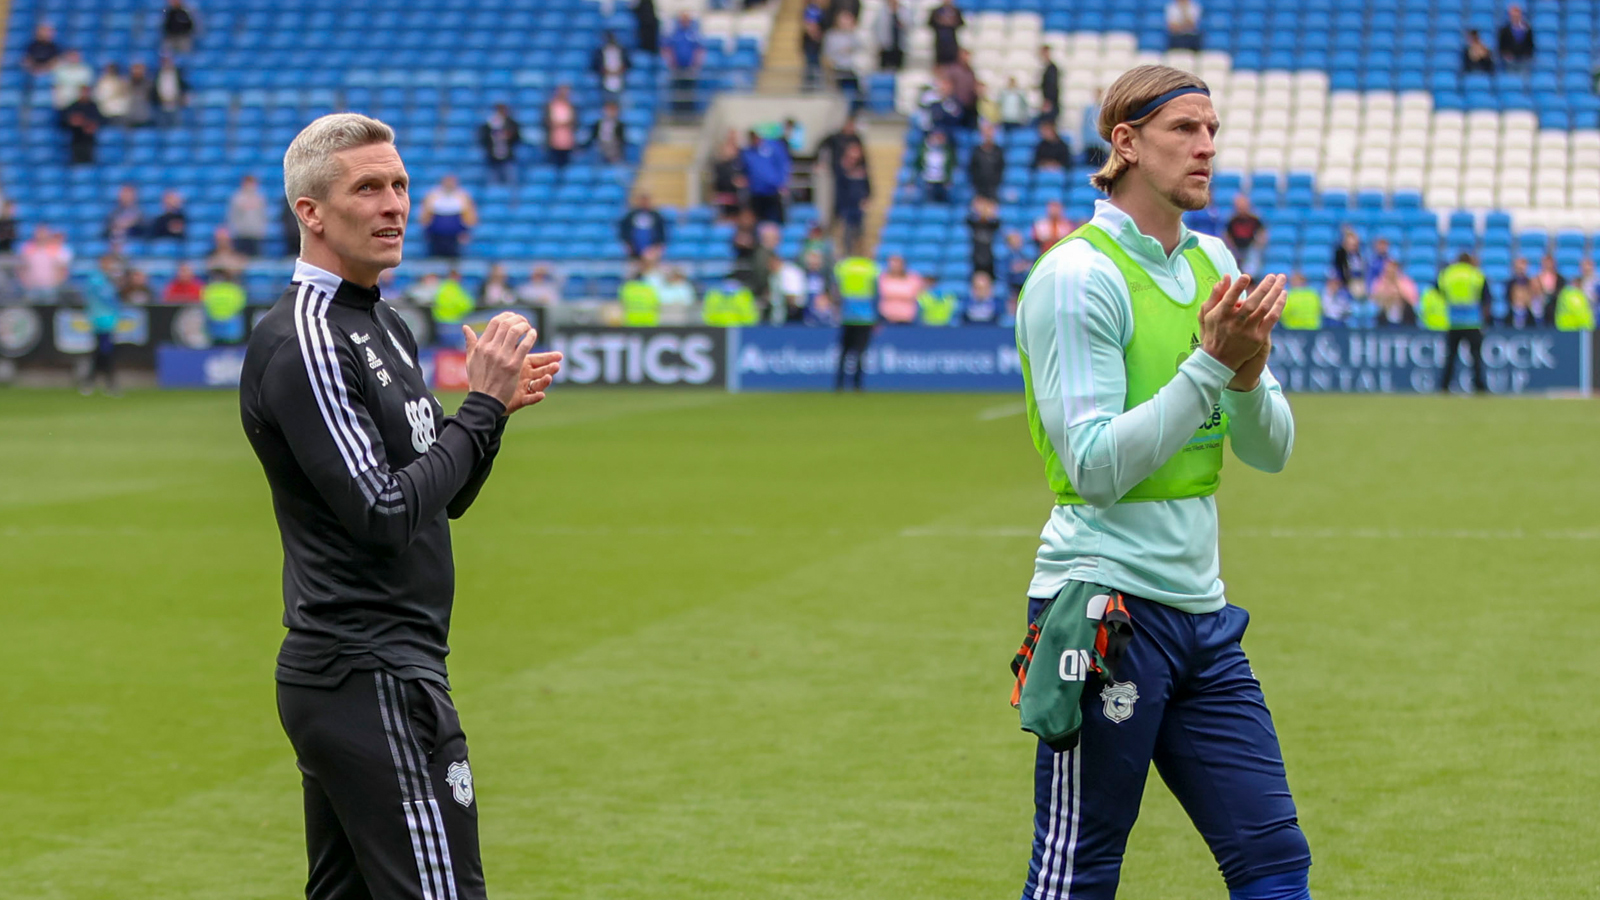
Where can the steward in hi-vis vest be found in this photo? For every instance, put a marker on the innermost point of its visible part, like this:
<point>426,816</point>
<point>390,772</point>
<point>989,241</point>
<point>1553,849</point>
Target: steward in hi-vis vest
<point>1573,312</point>
<point>1466,293</point>
<point>641,307</point>
<point>1302,306</point>
<point>856,280</point>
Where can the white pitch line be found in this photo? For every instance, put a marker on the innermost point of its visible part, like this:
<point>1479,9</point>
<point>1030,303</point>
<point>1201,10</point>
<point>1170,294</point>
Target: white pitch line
<point>1385,534</point>
<point>1001,411</point>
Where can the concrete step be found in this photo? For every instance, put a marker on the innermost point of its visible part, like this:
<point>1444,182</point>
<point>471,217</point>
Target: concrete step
<point>884,145</point>
<point>783,65</point>
<point>663,172</point>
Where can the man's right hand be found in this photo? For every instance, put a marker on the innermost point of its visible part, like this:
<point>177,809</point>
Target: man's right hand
<point>495,361</point>
<point>1233,331</point>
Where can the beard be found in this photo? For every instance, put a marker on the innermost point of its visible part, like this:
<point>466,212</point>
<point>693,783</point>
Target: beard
<point>1190,199</point>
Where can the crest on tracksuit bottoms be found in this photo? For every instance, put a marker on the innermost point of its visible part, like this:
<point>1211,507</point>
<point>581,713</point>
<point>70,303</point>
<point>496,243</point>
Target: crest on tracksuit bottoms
<point>459,777</point>
<point>1119,697</point>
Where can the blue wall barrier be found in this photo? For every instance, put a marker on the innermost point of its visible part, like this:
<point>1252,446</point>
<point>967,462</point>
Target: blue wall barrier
<point>1407,360</point>
<point>219,367</point>
<point>901,358</point>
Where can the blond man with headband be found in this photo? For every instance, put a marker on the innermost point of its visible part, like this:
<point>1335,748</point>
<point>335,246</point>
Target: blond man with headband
<point>1143,347</point>
<point>366,471</point>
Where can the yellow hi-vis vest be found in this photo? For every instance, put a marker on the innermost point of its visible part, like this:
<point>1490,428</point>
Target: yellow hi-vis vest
<point>452,303</point>
<point>729,309</point>
<point>641,306</point>
<point>1573,312</point>
<point>1435,312</point>
<point>223,300</point>
<point>1302,310</point>
<point>1462,286</point>
<point>936,309</point>
<point>1165,331</point>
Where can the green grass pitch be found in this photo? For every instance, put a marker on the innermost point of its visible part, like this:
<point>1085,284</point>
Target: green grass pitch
<point>714,646</point>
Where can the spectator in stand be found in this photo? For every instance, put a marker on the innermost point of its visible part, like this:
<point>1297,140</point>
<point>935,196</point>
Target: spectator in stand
<point>8,226</point>
<point>946,22</point>
<point>560,127</point>
<point>41,54</point>
<point>1588,280</point>
<point>684,54</point>
<point>746,239</point>
<point>1014,262</point>
<point>672,287</point>
<point>82,121</point>
<point>817,242</point>
<point>42,265</point>
<point>988,106</point>
<point>608,136</point>
<point>934,162</point>
<point>1380,256</point>
<point>944,112</point>
<point>179,26</point>
<point>225,261</point>
<point>68,79</point>
<point>897,293</point>
<point>641,227</point>
<point>185,286</point>
<point>1337,305</point>
<point>610,66</point>
<point>889,30</point>
<point>126,219</point>
<point>448,217</point>
<point>1049,87</point>
<point>541,289</point>
<point>987,167</point>
<point>421,293</point>
<point>1052,152</point>
<point>496,288</point>
<point>1350,265</point>
<point>766,168</point>
<point>835,145</point>
<point>500,136</point>
<point>247,217</point>
<point>839,48</point>
<point>984,224</point>
<point>1052,228</point>
<point>728,184</point>
<point>963,86</point>
<point>111,94</point>
<point>1014,111</point>
<point>170,93</point>
<point>758,274</point>
<point>837,8</point>
<point>1547,285</point>
<point>1095,147</point>
<point>647,26</point>
<point>1516,41</point>
<point>851,191</point>
<point>794,137</point>
<point>786,293</point>
<point>820,308</point>
<point>136,288</point>
<point>981,306</point>
<point>141,99</point>
<point>1476,55</point>
<point>1520,293</point>
<point>811,37</point>
<point>1246,236</point>
<point>1395,295</point>
<point>1183,25</point>
<point>172,222</point>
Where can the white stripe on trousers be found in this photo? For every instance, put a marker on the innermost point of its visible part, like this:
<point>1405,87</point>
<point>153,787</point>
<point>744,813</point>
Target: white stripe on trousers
<point>1061,839</point>
<point>428,841</point>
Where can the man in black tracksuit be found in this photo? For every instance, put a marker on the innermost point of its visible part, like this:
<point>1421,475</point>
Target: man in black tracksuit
<point>364,469</point>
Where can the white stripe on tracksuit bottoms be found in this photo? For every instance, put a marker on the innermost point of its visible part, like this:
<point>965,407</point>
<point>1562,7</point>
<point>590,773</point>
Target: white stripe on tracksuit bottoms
<point>423,819</point>
<point>333,401</point>
<point>1061,840</point>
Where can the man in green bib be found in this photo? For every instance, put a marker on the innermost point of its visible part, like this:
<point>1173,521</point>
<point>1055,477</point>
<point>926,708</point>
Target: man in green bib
<point>1143,347</point>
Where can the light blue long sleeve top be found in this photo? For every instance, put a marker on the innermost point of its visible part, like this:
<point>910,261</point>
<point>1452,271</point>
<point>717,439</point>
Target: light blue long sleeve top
<point>1075,323</point>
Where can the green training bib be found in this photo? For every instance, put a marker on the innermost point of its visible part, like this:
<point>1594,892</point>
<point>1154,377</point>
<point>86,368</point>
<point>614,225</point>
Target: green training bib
<point>1165,332</point>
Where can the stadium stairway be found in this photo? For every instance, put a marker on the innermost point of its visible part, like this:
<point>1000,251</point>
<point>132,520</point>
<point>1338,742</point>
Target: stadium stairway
<point>885,144</point>
<point>783,66</point>
<point>667,157</point>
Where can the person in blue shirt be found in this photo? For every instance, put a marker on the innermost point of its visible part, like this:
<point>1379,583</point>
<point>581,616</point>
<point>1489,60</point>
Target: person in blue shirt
<point>684,55</point>
<point>981,306</point>
<point>819,308</point>
<point>103,306</point>
<point>766,172</point>
<point>641,227</point>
